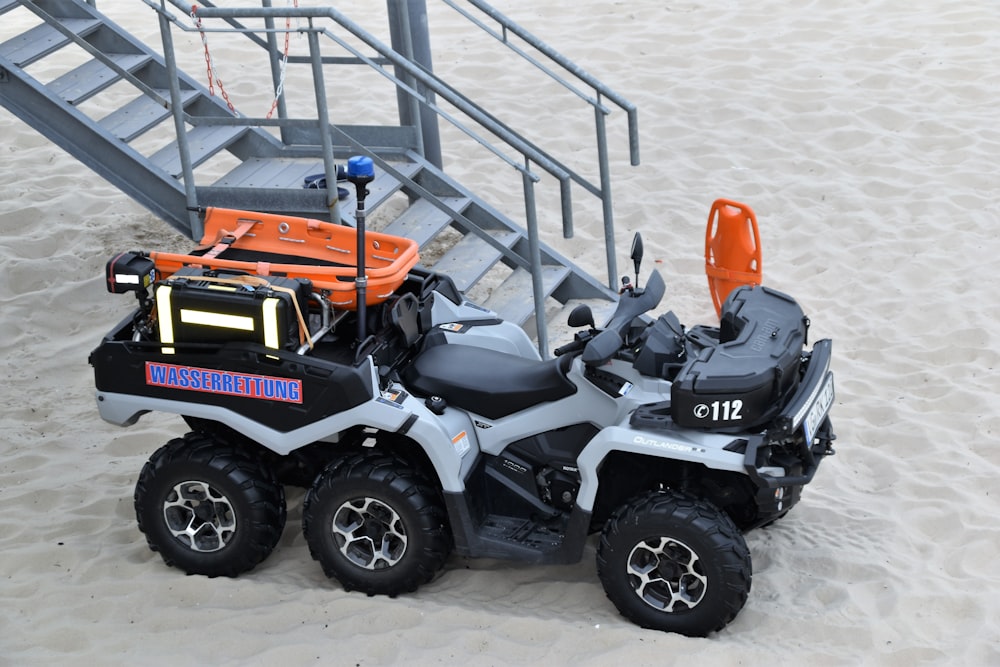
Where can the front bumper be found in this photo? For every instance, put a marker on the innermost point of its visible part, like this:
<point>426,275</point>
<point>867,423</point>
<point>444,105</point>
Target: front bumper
<point>805,423</point>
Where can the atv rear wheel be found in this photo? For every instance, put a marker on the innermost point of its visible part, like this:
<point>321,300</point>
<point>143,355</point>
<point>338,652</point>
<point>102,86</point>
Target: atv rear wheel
<point>375,525</point>
<point>209,508</point>
<point>671,562</point>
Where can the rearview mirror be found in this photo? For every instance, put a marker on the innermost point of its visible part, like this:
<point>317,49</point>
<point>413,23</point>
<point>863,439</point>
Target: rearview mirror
<point>581,316</point>
<point>637,255</point>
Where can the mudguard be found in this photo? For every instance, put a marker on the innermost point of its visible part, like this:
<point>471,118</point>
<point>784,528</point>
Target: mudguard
<point>707,449</point>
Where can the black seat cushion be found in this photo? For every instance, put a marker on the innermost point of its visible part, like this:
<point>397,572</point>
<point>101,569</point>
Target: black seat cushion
<point>490,383</point>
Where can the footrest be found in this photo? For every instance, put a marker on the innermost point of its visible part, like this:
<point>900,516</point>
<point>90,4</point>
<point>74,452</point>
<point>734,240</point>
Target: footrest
<point>521,531</point>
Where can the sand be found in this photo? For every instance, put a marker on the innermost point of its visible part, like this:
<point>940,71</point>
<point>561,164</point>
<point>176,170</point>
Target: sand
<point>864,136</point>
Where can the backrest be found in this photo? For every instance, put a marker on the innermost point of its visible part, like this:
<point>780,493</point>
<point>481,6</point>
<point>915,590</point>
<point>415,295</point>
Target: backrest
<point>404,316</point>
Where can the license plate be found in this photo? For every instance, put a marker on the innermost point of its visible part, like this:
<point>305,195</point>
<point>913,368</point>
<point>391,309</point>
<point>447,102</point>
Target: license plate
<point>819,409</point>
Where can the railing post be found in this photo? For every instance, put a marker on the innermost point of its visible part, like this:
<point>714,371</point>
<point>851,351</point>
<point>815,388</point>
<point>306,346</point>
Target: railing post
<point>566,198</point>
<point>633,135</point>
<point>177,110</point>
<point>606,203</point>
<point>408,106</point>
<point>535,253</point>
<point>410,36</point>
<point>323,120</point>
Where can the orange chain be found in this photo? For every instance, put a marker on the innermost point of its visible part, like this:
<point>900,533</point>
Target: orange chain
<point>213,72</point>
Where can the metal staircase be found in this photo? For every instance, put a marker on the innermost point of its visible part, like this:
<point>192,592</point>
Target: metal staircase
<point>160,136</point>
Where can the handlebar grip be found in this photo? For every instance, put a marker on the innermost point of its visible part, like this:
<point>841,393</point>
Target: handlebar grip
<point>568,347</point>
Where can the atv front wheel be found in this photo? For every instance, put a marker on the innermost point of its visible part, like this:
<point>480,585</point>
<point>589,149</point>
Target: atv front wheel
<point>675,563</point>
<point>209,508</point>
<point>375,525</point>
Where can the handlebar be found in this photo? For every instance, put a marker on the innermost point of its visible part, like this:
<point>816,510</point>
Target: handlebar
<point>576,345</point>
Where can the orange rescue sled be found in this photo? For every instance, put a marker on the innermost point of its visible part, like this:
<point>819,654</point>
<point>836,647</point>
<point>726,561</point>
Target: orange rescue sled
<point>266,244</point>
<point>732,250</point>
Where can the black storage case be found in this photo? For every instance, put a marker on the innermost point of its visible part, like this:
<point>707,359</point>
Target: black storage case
<point>204,306</point>
<point>741,382</point>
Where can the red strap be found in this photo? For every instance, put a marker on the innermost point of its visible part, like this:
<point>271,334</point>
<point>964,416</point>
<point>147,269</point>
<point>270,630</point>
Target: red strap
<point>229,238</point>
<point>746,277</point>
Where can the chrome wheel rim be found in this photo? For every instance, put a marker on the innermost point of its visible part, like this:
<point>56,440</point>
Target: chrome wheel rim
<point>199,516</point>
<point>369,533</point>
<point>666,574</point>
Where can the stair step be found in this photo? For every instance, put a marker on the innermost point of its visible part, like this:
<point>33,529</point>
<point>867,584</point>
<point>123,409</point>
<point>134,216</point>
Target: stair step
<point>286,201</point>
<point>384,185</point>
<point>513,299</point>
<point>141,115</point>
<point>379,190</point>
<point>422,220</point>
<point>94,76</point>
<point>271,173</point>
<point>204,141</point>
<point>472,257</point>
<point>276,184</point>
<point>42,40</point>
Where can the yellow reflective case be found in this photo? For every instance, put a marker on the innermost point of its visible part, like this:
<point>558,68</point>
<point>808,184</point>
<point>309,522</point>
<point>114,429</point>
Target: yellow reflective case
<point>200,306</point>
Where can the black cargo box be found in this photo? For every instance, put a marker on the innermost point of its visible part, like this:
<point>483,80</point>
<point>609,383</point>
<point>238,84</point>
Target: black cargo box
<point>742,381</point>
<point>201,306</point>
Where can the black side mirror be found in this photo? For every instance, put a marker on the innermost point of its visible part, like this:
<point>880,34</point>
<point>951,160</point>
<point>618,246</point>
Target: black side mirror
<point>636,255</point>
<point>581,316</point>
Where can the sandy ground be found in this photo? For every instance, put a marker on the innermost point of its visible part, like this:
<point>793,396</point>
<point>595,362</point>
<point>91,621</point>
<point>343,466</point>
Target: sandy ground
<point>864,136</point>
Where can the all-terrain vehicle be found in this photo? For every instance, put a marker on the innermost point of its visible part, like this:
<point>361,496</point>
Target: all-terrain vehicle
<point>424,425</point>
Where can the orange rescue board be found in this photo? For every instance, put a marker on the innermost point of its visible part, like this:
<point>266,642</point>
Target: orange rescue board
<point>388,259</point>
<point>732,250</point>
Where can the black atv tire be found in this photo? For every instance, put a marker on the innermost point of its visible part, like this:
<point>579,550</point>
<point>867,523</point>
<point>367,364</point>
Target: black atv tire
<point>672,562</point>
<point>375,525</point>
<point>230,535</point>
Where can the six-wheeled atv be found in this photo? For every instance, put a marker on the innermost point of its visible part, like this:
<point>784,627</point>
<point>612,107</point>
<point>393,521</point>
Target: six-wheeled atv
<point>443,431</point>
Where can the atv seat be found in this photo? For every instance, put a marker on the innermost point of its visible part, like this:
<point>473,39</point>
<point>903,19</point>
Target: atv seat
<point>487,382</point>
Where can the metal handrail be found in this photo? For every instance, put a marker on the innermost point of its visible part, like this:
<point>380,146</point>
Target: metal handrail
<point>407,78</point>
<point>600,111</point>
<point>531,153</point>
<point>396,59</point>
<point>600,89</point>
